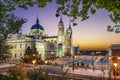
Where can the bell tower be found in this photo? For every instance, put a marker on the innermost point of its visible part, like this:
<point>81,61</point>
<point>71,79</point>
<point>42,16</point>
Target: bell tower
<point>68,42</point>
<point>60,31</point>
<point>60,38</point>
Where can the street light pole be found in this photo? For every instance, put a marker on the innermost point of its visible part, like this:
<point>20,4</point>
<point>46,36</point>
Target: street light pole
<point>73,63</point>
<point>92,58</point>
<point>115,66</point>
<point>109,66</point>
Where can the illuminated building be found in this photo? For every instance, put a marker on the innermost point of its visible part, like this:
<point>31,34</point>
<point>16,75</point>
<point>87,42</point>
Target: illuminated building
<point>47,46</point>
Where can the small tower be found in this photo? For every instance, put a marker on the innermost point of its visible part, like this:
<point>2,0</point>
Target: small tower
<point>60,38</point>
<point>68,42</point>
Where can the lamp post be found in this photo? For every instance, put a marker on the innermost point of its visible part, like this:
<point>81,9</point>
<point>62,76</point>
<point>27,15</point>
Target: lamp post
<point>109,66</point>
<point>52,55</point>
<point>73,64</point>
<point>102,69</point>
<point>34,61</point>
<point>92,53</point>
<point>115,67</point>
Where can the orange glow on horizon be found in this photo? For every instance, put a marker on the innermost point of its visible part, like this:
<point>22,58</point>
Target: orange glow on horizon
<point>94,44</point>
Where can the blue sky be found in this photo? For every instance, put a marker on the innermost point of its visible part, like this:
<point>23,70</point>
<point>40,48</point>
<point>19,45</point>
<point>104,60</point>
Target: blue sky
<point>88,34</point>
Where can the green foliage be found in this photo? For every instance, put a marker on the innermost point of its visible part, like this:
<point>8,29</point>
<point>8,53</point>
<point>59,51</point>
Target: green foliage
<point>81,8</point>
<point>74,8</point>
<point>115,28</point>
<point>3,77</point>
<point>109,28</point>
<point>4,50</point>
<point>18,73</point>
<point>9,23</point>
<point>35,74</point>
<point>30,54</point>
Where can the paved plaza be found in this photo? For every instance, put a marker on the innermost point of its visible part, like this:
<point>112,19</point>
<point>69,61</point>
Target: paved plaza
<point>65,62</point>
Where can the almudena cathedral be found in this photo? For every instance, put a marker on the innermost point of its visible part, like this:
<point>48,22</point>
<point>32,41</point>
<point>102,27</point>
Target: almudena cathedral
<point>47,46</point>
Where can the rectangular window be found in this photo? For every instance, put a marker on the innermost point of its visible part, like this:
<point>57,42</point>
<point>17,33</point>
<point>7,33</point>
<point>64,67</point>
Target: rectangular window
<point>15,45</point>
<point>25,45</point>
<point>20,45</point>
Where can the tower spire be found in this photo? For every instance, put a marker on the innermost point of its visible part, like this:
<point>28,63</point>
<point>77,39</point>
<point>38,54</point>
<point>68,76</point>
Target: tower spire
<point>37,20</point>
<point>69,25</point>
<point>61,19</point>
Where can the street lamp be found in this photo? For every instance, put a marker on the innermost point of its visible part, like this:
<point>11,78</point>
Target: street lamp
<point>118,58</point>
<point>102,69</point>
<point>73,64</point>
<point>109,66</point>
<point>34,61</point>
<point>46,61</point>
<point>92,53</point>
<point>115,65</point>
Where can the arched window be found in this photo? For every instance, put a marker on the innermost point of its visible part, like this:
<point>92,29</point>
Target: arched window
<point>15,55</point>
<point>20,54</point>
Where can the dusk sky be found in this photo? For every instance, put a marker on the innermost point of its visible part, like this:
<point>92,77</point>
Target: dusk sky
<point>88,34</point>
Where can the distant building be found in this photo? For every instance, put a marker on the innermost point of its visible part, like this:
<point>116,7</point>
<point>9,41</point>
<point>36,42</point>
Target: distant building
<point>47,46</point>
<point>114,50</point>
<point>114,58</point>
<point>96,52</point>
<point>76,50</point>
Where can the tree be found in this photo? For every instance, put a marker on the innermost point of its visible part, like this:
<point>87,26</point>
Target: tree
<point>9,23</point>
<point>4,50</point>
<point>18,73</point>
<point>77,8</point>
<point>115,28</point>
<point>30,54</point>
<point>80,9</point>
<point>37,74</point>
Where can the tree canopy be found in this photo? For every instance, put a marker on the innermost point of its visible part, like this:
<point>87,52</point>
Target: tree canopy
<point>11,24</point>
<point>76,8</point>
<point>30,54</point>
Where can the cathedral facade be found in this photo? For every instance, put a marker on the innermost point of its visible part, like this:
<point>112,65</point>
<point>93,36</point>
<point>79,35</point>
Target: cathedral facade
<point>46,46</point>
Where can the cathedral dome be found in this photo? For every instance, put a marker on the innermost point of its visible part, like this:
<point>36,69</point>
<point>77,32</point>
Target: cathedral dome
<point>37,25</point>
